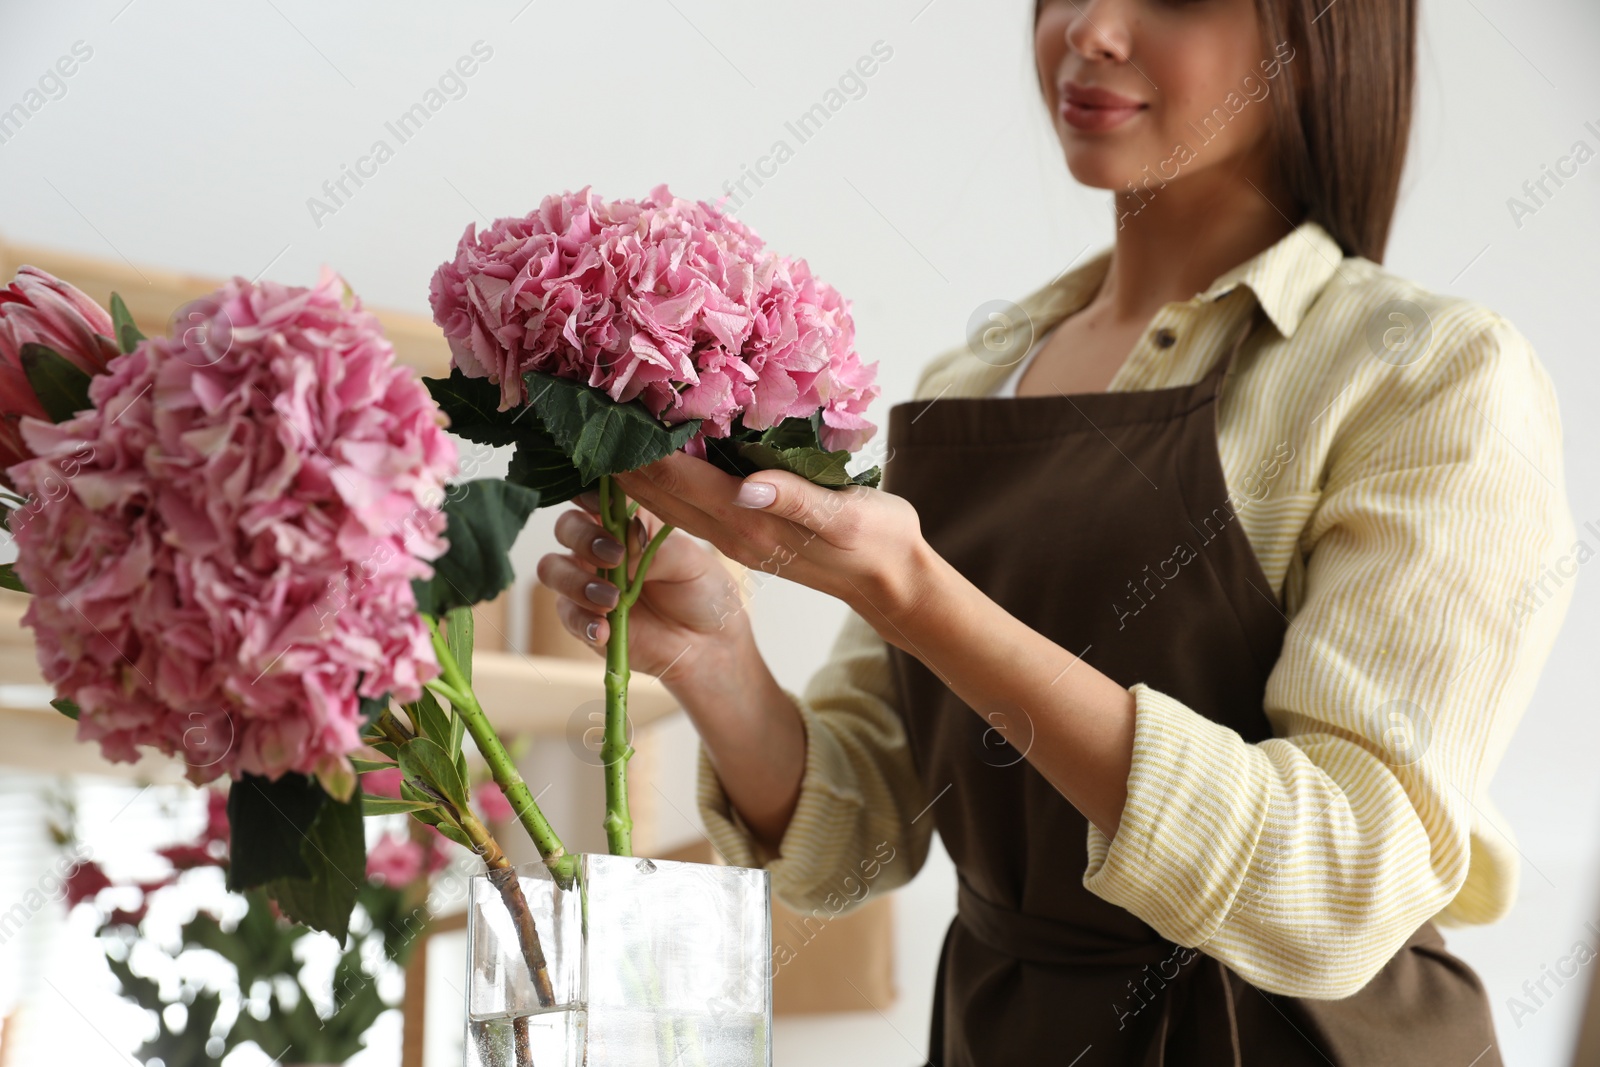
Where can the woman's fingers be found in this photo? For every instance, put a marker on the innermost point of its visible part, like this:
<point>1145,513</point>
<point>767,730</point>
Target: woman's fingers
<point>571,579</point>
<point>587,539</point>
<point>699,497</point>
<point>591,629</point>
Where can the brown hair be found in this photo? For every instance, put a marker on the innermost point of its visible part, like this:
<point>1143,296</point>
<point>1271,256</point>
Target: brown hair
<point>1342,123</point>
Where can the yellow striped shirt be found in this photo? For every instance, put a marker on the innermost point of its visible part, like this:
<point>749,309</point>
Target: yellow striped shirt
<point>1395,458</point>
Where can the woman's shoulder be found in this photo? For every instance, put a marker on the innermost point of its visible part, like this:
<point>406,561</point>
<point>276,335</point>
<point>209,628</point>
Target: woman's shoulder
<point>1408,327</point>
<point>1401,354</point>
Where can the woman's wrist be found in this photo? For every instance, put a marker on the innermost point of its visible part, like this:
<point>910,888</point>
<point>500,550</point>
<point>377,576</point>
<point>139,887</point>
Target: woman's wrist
<point>907,584</point>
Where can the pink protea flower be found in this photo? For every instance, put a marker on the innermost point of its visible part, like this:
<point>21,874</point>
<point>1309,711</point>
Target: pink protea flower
<point>663,299</point>
<point>39,308</point>
<point>222,548</point>
<point>395,861</point>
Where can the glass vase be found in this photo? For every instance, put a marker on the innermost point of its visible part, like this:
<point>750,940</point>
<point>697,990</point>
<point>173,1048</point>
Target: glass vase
<point>645,962</point>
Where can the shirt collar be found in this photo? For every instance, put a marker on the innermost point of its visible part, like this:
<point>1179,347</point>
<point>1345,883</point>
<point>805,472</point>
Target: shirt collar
<point>1285,279</point>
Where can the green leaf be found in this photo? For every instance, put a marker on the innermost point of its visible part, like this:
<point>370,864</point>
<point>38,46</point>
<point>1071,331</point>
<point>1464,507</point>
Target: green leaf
<point>460,624</point>
<point>268,822</point>
<point>428,762</point>
<point>9,579</point>
<point>127,334</point>
<point>61,387</point>
<point>792,445</point>
<point>335,853</point>
<point>600,435</point>
<point>367,766</point>
<point>371,805</point>
<point>473,407</point>
<point>539,463</point>
<point>812,464</point>
<point>66,707</point>
<point>460,628</point>
<point>430,720</point>
<point>483,520</point>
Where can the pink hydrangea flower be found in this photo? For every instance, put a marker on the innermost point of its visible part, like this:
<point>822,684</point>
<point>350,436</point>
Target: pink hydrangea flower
<point>395,861</point>
<point>665,300</point>
<point>222,548</point>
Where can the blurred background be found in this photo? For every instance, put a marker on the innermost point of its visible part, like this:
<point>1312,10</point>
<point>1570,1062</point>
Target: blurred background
<point>193,141</point>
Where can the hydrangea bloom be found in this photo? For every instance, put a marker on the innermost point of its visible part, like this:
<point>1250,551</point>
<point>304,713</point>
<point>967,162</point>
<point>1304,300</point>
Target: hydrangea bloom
<point>665,300</point>
<point>221,549</point>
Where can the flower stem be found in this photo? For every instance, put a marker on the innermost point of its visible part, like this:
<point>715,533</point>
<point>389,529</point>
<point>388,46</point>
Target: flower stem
<point>616,513</point>
<point>458,691</point>
<point>615,750</point>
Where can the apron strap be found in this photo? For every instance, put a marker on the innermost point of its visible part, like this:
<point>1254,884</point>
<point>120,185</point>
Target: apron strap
<point>1224,1054</point>
<point>1223,366</point>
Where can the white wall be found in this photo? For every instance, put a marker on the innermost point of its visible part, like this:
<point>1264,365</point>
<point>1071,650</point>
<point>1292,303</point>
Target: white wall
<point>196,132</point>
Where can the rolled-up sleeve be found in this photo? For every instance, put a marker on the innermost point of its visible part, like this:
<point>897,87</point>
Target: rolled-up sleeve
<point>859,794</point>
<point>1430,601</point>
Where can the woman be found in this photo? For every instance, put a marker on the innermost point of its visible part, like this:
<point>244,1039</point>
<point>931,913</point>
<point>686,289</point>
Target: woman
<point>1199,631</point>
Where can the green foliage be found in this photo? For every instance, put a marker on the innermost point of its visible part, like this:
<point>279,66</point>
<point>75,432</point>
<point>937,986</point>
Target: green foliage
<point>261,951</point>
<point>538,463</point>
<point>600,435</point>
<point>793,445</point>
<point>9,579</point>
<point>483,520</point>
<point>425,760</point>
<point>67,707</point>
<point>182,1048</point>
<point>61,387</point>
<point>127,334</point>
<point>305,848</point>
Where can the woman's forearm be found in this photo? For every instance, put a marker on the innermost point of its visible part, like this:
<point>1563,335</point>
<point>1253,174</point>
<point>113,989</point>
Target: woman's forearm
<point>1073,723</point>
<point>753,736</point>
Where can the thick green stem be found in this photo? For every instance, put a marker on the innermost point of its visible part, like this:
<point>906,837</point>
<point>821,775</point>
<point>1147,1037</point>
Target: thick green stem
<point>616,513</point>
<point>458,691</point>
<point>615,750</point>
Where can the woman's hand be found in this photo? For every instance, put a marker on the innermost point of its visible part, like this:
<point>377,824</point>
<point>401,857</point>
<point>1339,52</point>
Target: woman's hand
<point>861,545</point>
<point>689,629</point>
<point>689,608</point>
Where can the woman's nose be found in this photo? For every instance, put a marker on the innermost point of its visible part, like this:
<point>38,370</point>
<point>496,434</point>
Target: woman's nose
<point>1098,30</point>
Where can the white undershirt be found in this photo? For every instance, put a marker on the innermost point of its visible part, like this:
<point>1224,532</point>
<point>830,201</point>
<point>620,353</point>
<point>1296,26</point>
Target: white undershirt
<point>1008,387</point>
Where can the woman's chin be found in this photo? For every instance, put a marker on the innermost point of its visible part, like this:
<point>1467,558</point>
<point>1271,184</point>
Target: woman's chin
<point>1099,169</point>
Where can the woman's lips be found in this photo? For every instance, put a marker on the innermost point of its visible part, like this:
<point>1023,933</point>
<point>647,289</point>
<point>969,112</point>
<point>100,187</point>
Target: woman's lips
<point>1094,110</point>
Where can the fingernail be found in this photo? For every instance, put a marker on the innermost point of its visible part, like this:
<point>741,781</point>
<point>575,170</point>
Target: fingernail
<point>602,593</point>
<point>756,494</point>
<point>608,548</point>
<point>592,631</point>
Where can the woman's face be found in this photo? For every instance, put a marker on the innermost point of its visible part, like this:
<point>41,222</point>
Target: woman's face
<point>1145,92</point>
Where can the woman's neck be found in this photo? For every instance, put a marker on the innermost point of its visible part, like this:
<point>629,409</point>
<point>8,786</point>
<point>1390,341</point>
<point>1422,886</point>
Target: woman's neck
<point>1174,241</point>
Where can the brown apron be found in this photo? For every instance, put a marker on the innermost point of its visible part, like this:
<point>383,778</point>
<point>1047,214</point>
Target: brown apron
<point>1055,506</point>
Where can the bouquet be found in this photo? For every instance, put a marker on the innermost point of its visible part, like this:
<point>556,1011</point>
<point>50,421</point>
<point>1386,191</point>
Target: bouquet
<point>598,336</point>
<point>246,550</point>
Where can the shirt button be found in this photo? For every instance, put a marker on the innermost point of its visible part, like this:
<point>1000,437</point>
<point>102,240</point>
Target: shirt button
<point>1165,338</point>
